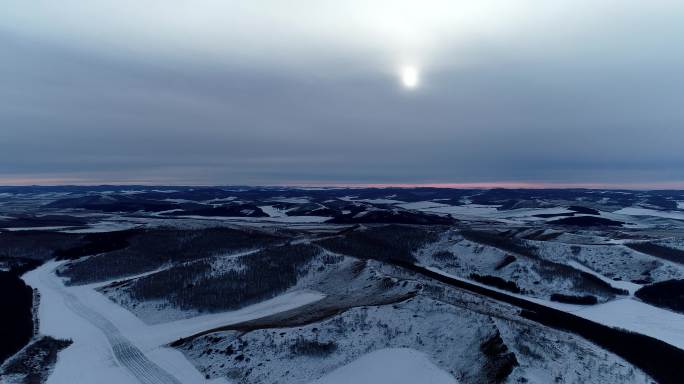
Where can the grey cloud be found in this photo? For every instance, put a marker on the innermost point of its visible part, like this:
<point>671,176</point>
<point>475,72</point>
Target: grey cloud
<point>596,99</point>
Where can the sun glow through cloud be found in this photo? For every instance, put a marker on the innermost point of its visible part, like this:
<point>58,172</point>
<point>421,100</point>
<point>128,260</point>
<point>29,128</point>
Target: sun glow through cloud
<point>410,77</point>
<point>465,90</point>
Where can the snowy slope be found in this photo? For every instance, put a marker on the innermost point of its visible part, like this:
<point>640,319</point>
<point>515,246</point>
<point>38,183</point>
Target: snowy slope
<point>634,211</point>
<point>626,285</point>
<point>626,313</point>
<point>389,366</point>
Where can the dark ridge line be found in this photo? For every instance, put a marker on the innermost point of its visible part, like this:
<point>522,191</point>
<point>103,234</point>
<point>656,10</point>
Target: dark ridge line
<point>658,251</point>
<point>18,323</point>
<point>660,360</point>
<point>297,318</point>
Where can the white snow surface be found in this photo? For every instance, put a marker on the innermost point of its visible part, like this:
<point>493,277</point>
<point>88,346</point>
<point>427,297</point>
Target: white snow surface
<point>292,200</point>
<point>48,228</point>
<point>281,219</point>
<point>530,212</point>
<point>355,199</point>
<point>626,313</point>
<point>634,211</point>
<point>421,205</point>
<point>636,316</point>
<point>484,211</point>
<point>272,211</point>
<point>373,201</point>
<point>474,210</point>
<point>111,345</point>
<point>389,366</point>
<point>627,285</point>
<point>104,226</point>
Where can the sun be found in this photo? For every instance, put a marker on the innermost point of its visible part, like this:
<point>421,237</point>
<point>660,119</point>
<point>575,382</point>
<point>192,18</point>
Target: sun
<point>409,76</point>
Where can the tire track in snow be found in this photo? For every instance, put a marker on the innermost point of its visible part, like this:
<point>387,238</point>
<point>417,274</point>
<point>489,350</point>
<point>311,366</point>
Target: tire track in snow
<point>126,354</point>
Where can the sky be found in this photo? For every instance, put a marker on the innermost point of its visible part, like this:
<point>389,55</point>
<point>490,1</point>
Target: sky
<point>360,92</point>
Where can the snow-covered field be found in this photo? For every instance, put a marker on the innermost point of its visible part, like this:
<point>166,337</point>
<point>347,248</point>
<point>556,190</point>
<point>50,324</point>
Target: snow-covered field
<point>104,226</point>
<point>275,219</point>
<point>633,315</point>
<point>634,211</point>
<point>372,201</point>
<point>470,210</point>
<point>272,211</point>
<point>612,260</point>
<point>626,313</point>
<point>626,285</point>
<point>389,365</point>
<point>630,215</point>
<point>52,228</point>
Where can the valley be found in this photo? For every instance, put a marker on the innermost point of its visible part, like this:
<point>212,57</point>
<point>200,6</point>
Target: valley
<point>295,285</point>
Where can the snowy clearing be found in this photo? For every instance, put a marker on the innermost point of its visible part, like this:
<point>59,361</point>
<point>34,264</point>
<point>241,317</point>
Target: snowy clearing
<point>104,226</point>
<point>281,219</point>
<point>453,210</point>
<point>420,205</point>
<point>530,212</point>
<point>53,228</point>
<point>636,316</point>
<point>627,285</point>
<point>626,313</point>
<point>372,201</point>
<point>632,211</point>
<point>291,200</point>
<point>272,211</point>
<point>389,366</point>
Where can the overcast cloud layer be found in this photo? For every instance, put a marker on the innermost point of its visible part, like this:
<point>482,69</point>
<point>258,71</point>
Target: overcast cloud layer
<point>294,92</point>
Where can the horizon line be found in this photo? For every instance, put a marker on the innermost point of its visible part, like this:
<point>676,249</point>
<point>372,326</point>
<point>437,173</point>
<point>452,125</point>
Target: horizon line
<point>18,183</point>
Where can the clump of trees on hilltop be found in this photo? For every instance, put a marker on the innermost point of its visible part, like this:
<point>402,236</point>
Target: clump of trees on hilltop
<point>259,276</point>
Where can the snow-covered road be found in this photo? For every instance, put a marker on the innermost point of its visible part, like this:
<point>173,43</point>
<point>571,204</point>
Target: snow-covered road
<point>111,345</point>
<point>128,355</point>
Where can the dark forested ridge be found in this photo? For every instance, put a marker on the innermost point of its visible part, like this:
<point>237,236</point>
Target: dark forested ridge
<point>16,322</point>
<point>143,250</point>
<point>667,253</point>
<point>94,243</point>
<point>257,276</point>
<point>383,243</point>
<point>660,360</point>
<point>34,363</point>
<point>665,294</point>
